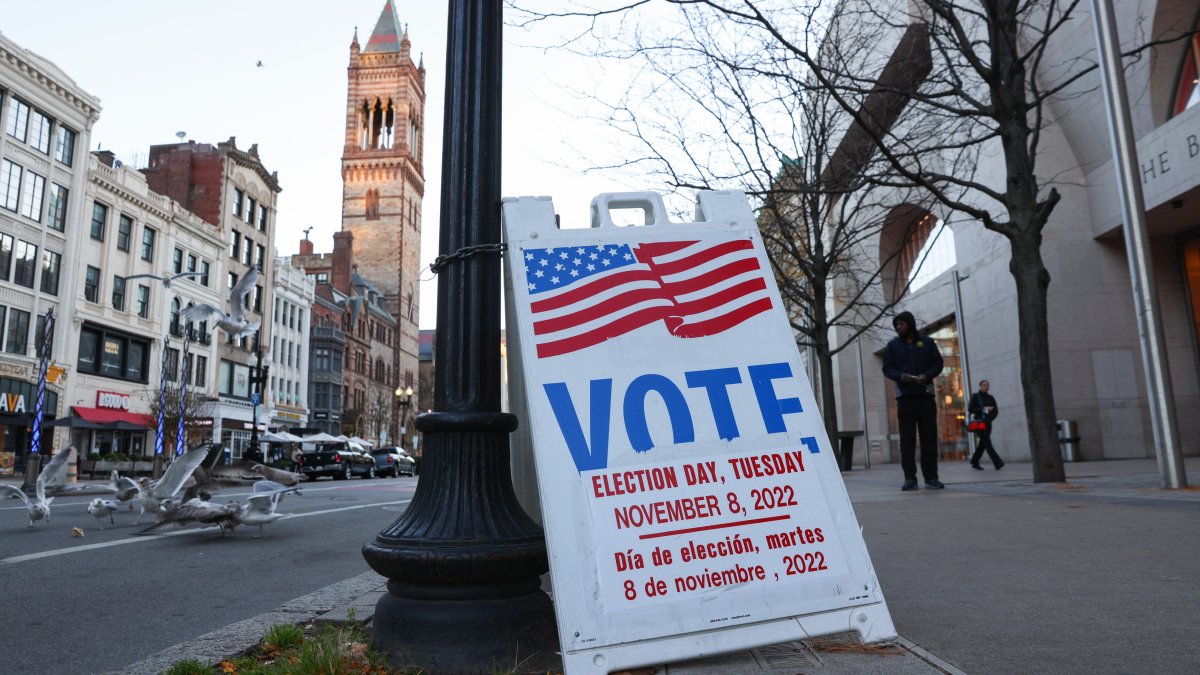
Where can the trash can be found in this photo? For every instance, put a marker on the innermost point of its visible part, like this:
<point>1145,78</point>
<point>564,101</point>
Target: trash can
<point>1068,438</point>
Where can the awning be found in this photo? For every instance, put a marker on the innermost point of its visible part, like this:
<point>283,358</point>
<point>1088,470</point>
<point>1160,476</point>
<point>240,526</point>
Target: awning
<point>115,419</point>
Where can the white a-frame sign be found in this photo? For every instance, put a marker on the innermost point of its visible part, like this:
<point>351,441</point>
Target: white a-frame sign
<point>691,499</point>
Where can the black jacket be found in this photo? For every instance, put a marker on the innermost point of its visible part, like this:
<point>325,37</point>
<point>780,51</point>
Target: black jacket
<point>921,357</point>
<point>979,401</point>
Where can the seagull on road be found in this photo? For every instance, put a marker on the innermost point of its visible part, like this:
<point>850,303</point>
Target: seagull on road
<point>151,495</point>
<point>124,487</point>
<point>51,475</point>
<point>234,323</point>
<point>284,478</point>
<point>103,507</point>
<point>260,507</point>
<point>166,280</point>
<point>195,510</point>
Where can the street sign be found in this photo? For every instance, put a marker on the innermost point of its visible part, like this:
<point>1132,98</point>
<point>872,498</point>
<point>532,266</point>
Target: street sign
<point>691,499</point>
<point>255,398</point>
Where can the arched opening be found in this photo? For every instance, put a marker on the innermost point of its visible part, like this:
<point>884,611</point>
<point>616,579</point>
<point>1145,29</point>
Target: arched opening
<point>915,247</point>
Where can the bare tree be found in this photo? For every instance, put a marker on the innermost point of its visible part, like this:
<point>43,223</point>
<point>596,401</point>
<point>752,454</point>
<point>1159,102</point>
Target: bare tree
<point>197,422</point>
<point>714,110</point>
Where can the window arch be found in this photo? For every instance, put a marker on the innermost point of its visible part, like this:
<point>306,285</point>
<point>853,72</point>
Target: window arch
<point>915,247</point>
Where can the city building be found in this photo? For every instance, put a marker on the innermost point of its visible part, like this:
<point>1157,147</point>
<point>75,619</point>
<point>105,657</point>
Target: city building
<point>291,316</point>
<point>327,347</point>
<point>47,120</point>
<point>383,184</point>
<point>120,315</point>
<point>1095,353</point>
<point>232,190</point>
<point>362,349</point>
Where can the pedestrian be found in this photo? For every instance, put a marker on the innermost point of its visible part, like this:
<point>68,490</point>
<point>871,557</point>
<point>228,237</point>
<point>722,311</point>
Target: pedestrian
<point>983,405</point>
<point>912,360</point>
<point>297,455</point>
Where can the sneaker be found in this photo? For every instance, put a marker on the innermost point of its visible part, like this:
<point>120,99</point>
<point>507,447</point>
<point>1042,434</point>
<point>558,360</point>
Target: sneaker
<point>979,468</point>
<point>909,485</point>
<point>934,484</point>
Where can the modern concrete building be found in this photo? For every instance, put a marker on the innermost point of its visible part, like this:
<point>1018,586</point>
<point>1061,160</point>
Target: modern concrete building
<point>1096,364</point>
<point>47,120</point>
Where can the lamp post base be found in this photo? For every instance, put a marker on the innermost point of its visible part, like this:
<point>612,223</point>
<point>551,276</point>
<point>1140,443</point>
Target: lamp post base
<point>467,629</point>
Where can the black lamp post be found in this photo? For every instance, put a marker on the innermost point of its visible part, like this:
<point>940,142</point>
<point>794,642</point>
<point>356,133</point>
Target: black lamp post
<point>260,369</point>
<point>464,561</point>
<point>404,400</point>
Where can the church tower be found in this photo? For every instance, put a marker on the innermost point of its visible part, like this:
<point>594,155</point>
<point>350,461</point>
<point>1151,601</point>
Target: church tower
<point>383,177</point>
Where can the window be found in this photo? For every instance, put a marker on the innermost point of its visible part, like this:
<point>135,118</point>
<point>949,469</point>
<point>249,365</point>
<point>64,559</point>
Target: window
<point>124,232</point>
<point>135,360</point>
<point>320,359</point>
<point>143,301</point>
<point>247,251</point>
<point>176,328</point>
<point>99,218</point>
<point>234,379</point>
<point>177,261</point>
<point>200,373</point>
<point>26,267</point>
<point>235,244</point>
<point>58,207</point>
<point>6,247</point>
<point>172,364</point>
<point>51,262</point>
<point>262,219</point>
<point>64,145</point>
<point>191,265</point>
<point>148,236</point>
<point>258,296</point>
<point>31,196</point>
<point>39,335</point>
<point>118,293</point>
<point>10,185</point>
<point>261,256</point>
<point>204,272</point>
<point>251,211</point>
<point>238,198</point>
<point>16,338</point>
<point>17,123</point>
<point>39,132</point>
<point>233,279</point>
<point>91,284</point>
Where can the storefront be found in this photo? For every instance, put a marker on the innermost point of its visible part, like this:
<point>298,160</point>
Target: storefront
<point>17,403</point>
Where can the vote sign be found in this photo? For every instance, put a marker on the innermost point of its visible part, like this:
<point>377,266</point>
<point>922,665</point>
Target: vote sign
<point>687,484</point>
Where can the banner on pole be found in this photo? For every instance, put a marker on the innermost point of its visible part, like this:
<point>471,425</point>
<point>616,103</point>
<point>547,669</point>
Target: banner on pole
<point>691,498</point>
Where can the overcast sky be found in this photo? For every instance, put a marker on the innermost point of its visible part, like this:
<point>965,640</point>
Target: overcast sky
<point>164,66</point>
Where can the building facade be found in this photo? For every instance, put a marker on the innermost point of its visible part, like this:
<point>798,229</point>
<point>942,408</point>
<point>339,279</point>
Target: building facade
<point>232,190</point>
<point>291,318</point>
<point>383,181</point>
<point>1095,353</point>
<point>47,121</point>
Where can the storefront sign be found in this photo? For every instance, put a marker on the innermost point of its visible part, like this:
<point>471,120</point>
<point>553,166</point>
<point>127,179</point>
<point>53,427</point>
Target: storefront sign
<point>112,400</point>
<point>688,487</point>
<point>12,403</point>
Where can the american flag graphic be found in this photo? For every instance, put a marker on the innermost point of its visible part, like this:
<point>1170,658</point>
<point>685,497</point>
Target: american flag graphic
<point>583,295</point>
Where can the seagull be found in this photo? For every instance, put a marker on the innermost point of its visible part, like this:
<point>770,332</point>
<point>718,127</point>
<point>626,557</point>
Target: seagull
<point>166,280</point>
<point>52,474</point>
<point>195,510</point>
<point>259,64</point>
<point>151,495</point>
<point>285,478</point>
<point>103,507</point>
<point>125,487</point>
<point>260,507</point>
<point>234,323</point>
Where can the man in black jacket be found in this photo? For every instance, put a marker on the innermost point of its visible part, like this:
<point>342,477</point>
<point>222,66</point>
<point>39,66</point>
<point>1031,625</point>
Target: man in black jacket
<point>912,360</point>
<point>983,406</point>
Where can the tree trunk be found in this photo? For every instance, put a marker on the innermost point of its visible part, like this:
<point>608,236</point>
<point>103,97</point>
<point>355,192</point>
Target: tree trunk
<point>1033,328</point>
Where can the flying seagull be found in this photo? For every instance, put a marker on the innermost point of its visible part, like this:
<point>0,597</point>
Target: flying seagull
<point>234,323</point>
<point>166,280</point>
<point>152,495</point>
<point>195,510</point>
<point>125,487</point>
<point>103,507</point>
<point>260,507</point>
<point>285,478</point>
<point>52,474</point>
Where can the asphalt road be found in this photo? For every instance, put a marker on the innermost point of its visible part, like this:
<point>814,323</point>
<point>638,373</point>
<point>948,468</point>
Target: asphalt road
<point>97,603</point>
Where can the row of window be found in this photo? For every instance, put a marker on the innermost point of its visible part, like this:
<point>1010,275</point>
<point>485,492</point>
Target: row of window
<point>197,368</point>
<point>289,314</point>
<point>249,210</point>
<point>19,262</point>
<point>34,128</point>
<point>325,396</point>
<point>23,191</point>
<point>244,250</point>
<point>113,354</point>
<point>194,264</point>
<point>286,391</point>
<point>285,352</point>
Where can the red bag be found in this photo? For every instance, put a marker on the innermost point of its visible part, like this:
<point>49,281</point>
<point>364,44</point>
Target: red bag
<point>976,425</point>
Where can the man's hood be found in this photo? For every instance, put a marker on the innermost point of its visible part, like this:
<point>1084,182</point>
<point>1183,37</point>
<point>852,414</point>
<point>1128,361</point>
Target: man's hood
<point>906,316</point>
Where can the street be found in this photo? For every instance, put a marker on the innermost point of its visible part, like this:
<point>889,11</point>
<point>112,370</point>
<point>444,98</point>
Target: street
<point>97,603</point>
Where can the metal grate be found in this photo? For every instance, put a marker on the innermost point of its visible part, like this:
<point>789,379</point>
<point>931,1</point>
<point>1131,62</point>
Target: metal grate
<point>789,657</point>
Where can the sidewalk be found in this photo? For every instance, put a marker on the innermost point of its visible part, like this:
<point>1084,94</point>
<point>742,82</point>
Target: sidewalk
<point>992,575</point>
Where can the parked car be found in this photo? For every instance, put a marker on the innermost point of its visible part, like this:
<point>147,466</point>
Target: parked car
<point>340,460</point>
<point>393,461</point>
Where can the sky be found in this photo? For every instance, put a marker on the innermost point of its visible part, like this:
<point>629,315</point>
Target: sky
<point>160,67</point>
